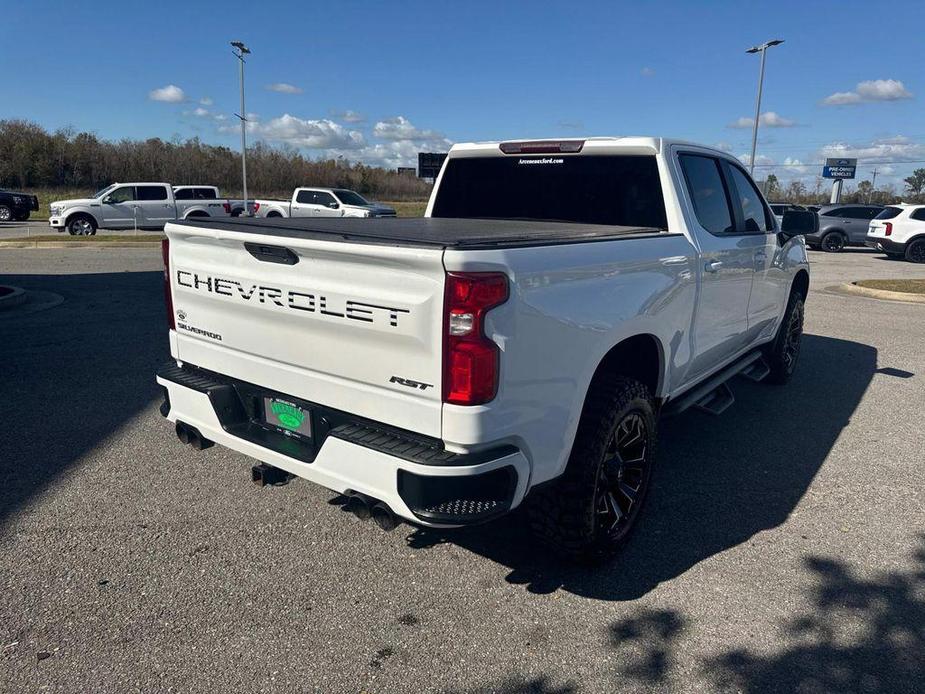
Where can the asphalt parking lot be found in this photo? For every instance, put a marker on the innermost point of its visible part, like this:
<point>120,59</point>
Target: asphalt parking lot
<point>783,547</point>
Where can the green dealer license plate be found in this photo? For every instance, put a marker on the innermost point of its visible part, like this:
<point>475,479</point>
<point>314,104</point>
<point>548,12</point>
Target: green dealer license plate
<point>287,416</point>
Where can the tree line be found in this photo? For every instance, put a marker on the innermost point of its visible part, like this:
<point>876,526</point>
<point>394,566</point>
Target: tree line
<point>797,191</point>
<point>32,157</point>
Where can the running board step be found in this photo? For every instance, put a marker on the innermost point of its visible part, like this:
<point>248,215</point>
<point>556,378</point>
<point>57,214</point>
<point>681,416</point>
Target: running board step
<point>717,400</point>
<point>713,395</point>
<point>756,371</point>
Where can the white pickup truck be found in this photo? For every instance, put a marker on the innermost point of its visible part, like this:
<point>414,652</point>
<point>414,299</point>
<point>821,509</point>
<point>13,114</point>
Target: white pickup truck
<point>518,343</point>
<point>322,202</point>
<point>138,206</point>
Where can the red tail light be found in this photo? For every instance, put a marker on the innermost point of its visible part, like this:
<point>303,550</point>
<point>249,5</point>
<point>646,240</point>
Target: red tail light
<point>168,296</point>
<point>470,359</point>
<point>256,206</point>
<point>889,228</point>
<point>227,206</point>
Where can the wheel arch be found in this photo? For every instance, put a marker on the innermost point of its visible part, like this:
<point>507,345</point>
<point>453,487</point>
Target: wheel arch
<point>800,283</point>
<point>196,212</point>
<point>640,356</point>
<point>81,213</point>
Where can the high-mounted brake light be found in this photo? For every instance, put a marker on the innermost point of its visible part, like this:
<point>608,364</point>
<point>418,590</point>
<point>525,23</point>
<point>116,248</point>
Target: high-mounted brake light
<point>470,358</point>
<point>543,147</point>
<point>168,295</point>
<point>889,228</point>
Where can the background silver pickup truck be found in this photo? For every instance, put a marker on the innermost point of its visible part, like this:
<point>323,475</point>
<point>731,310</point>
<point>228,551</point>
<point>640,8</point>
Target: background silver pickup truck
<point>138,206</point>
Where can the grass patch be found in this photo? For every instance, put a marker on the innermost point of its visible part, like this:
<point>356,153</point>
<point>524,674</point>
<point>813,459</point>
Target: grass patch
<point>108,238</point>
<point>414,208</point>
<point>907,286</point>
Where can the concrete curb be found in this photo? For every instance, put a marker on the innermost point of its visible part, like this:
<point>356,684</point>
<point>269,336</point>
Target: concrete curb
<point>907,297</point>
<point>14,297</point>
<point>79,244</point>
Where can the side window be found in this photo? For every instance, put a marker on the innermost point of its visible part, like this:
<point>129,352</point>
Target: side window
<point>183,194</point>
<point>837,212</point>
<point>205,194</point>
<point>152,192</point>
<point>855,213</point>
<point>123,194</point>
<point>306,197</point>
<point>918,214</point>
<point>324,199</point>
<point>705,185</point>
<point>871,212</point>
<point>754,214</point>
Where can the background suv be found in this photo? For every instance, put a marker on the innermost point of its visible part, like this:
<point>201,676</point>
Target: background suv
<point>899,231</point>
<point>842,225</point>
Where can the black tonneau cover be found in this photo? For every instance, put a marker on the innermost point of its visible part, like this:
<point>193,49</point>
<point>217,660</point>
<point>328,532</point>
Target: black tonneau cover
<point>426,232</point>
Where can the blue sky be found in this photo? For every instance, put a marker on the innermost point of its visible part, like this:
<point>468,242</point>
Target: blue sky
<point>377,81</point>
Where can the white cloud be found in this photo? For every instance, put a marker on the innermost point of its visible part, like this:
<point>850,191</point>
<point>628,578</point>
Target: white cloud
<point>349,116</point>
<point>768,119</point>
<point>284,88</point>
<point>724,146</point>
<point>201,112</point>
<point>206,101</point>
<point>760,160</point>
<point>571,124</point>
<point>399,129</point>
<point>170,94</point>
<point>299,132</point>
<point>868,91</point>
<point>894,149</point>
<point>647,72</point>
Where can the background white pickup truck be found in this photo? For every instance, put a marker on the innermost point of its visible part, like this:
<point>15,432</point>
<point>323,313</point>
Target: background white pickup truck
<point>521,340</point>
<point>322,202</point>
<point>137,206</point>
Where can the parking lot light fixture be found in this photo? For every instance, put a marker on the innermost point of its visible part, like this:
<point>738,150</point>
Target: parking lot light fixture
<point>240,50</point>
<point>763,48</point>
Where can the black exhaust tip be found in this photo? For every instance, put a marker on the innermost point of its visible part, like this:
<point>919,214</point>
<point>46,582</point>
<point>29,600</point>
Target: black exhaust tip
<point>384,517</point>
<point>358,506</point>
<point>190,435</point>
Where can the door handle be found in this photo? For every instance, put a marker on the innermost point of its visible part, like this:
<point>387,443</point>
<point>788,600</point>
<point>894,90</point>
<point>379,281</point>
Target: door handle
<point>713,265</point>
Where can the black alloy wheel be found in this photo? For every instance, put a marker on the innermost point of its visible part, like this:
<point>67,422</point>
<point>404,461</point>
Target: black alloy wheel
<point>833,242</point>
<point>623,478</point>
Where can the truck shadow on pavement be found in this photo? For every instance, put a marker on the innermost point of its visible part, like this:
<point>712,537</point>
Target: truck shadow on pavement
<point>72,375</point>
<point>718,481</point>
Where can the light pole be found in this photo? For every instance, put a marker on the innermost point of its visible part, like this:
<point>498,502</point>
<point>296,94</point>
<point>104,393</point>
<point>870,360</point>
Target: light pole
<point>759,49</point>
<point>240,51</point>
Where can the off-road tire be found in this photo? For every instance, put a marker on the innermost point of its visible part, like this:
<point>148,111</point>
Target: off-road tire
<point>564,514</point>
<point>783,353</point>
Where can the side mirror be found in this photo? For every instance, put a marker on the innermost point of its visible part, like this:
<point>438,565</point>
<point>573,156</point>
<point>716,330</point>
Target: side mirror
<point>107,200</point>
<point>333,205</point>
<point>799,223</point>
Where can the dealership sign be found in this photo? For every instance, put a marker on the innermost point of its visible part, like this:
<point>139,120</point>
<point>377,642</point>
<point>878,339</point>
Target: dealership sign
<point>839,168</point>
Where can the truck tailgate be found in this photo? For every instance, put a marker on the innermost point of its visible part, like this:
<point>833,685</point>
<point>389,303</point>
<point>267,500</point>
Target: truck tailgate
<point>351,326</point>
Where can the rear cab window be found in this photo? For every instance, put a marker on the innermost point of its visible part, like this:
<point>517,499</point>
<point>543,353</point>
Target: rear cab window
<point>708,194</point>
<point>151,192</point>
<point>622,190</point>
